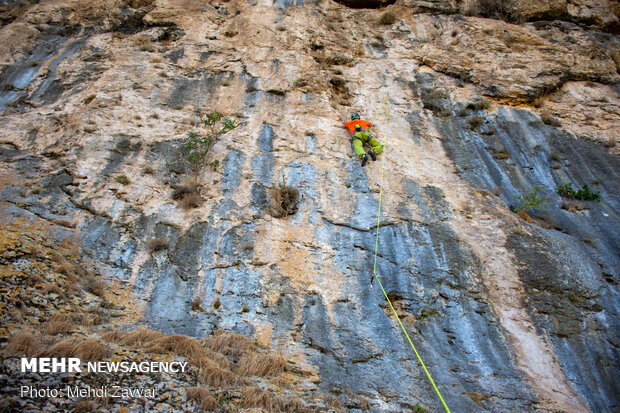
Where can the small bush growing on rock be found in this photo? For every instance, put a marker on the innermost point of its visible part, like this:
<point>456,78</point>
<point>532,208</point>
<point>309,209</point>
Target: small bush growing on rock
<point>191,201</point>
<point>419,408</point>
<point>257,397</point>
<point>258,364</point>
<point>197,147</point>
<point>475,122</point>
<point>58,324</point>
<point>496,9</point>
<point>532,200</point>
<point>548,119</point>
<point>502,155</point>
<point>157,244</point>
<point>188,194</point>
<point>425,313</point>
<point>232,344</point>
<point>196,303</point>
<point>201,396</point>
<point>566,190</point>
<point>479,104</point>
<point>89,349</point>
<point>94,285</point>
<point>24,342</point>
<point>388,18</point>
<point>284,200</point>
<point>498,190</point>
<point>122,179</point>
<point>615,56</point>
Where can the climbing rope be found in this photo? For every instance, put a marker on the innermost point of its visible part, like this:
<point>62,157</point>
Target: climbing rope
<point>374,270</point>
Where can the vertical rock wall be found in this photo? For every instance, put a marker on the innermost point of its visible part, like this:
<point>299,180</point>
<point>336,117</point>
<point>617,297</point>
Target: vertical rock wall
<point>508,315</point>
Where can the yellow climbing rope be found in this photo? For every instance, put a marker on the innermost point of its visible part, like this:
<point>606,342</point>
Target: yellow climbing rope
<point>374,270</point>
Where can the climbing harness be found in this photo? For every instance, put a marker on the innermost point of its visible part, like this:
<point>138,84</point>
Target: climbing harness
<point>374,271</point>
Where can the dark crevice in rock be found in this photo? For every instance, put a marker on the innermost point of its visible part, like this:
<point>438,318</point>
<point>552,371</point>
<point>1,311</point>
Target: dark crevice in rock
<point>365,4</point>
<point>346,225</point>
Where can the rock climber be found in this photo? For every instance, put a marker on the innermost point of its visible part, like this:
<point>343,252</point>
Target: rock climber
<point>358,128</point>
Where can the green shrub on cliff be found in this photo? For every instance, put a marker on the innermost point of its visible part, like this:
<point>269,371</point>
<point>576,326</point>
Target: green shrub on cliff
<point>532,200</point>
<point>197,146</point>
<point>566,190</point>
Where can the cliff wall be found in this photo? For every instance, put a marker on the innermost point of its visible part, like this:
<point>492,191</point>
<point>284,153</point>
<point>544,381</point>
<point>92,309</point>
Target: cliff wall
<point>509,312</point>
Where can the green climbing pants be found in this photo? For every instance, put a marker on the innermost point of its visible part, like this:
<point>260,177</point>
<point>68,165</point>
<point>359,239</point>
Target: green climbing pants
<point>365,138</point>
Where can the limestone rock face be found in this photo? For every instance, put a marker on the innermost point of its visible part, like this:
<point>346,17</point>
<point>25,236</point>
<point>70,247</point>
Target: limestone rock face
<point>98,100</point>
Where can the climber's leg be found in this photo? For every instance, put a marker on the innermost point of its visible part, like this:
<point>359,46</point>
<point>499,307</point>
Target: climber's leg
<point>377,148</point>
<point>358,147</point>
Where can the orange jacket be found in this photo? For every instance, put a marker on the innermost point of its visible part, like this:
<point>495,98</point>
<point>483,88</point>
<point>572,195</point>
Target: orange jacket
<point>351,124</point>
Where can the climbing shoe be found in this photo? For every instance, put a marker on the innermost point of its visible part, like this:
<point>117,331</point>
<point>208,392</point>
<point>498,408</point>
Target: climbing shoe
<point>372,155</point>
<point>364,160</point>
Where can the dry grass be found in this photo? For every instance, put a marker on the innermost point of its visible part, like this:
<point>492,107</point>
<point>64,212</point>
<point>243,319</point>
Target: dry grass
<point>388,18</point>
<point>611,142</point>
<point>191,201</point>
<point>24,342</point>
<point>61,265</point>
<point>187,187</point>
<point>332,402</point>
<point>188,194</point>
<point>157,244</point>
<point>549,119</point>
<point>495,9</point>
<point>84,406</point>
<point>257,397</point>
<point>281,382</point>
<point>498,190</point>
<point>59,324</point>
<point>475,122</point>
<point>144,43</point>
<point>231,344</point>
<point>182,345</point>
<point>94,285</point>
<point>615,56</point>
<point>258,364</point>
<point>539,102</point>
<point>212,375</point>
<point>155,342</point>
<point>284,200</point>
<point>122,179</point>
<point>33,279</point>
<point>201,396</point>
<point>572,205</point>
<point>196,303</point>
<point>89,349</point>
